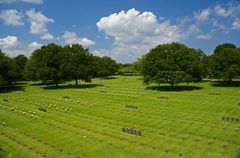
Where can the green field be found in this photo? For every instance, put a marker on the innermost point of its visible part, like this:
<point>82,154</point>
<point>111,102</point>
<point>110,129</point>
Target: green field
<point>87,121</point>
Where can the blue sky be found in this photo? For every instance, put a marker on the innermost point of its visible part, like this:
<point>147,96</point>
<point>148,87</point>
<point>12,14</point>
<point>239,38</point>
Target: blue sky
<point>121,29</point>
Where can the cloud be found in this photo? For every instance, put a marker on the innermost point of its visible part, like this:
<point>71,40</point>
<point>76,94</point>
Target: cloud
<point>8,42</point>
<point>47,36</point>
<point>72,38</point>
<point>203,15</point>
<point>38,22</point>
<point>10,45</point>
<point>33,46</point>
<point>192,30</point>
<point>25,1</point>
<point>216,24</point>
<point>134,33</point>
<point>236,24</point>
<point>223,12</point>
<point>204,37</point>
<point>230,9</point>
<point>12,17</point>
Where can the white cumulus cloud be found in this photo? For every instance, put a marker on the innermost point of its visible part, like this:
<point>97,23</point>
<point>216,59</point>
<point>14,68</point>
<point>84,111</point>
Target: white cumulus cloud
<point>223,12</point>
<point>204,37</point>
<point>8,42</point>
<point>134,33</point>
<point>203,15</point>
<point>33,46</point>
<point>12,17</point>
<point>236,24</point>
<point>72,38</point>
<point>38,22</point>
<point>26,1</point>
<point>47,36</point>
<point>230,9</point>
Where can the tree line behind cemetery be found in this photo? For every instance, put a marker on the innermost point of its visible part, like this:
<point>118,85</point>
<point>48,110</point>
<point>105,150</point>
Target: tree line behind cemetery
<point>171,63</point>
<point>55,64</point>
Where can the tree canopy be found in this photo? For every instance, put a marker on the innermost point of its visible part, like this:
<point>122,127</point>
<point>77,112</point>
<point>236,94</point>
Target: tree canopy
<point>8,69</point>
<point>53,63</point>
<point>225,62</point>
<point>172,63</point>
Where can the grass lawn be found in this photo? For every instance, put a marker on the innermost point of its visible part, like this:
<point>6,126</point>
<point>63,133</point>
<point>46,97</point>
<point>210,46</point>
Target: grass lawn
<point>197,120</point>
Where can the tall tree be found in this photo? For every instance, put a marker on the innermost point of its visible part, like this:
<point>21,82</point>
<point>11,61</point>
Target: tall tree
<point>21,62</point>
<point>172,63</point>
<point>8,69</point>
<point>44,64</point>
<point>105,66</point>
<point>225,62</point>
<point>76,63</point>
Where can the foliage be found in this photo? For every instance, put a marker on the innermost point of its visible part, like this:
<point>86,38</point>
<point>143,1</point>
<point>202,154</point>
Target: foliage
<point>21,61</point>
<point>76,63</point>
<point>44,64</point>
<point>225,62</point>
<point>8,69</point>
<point>129,69</point>
<point>172,63</point>
<point>53,63</point>
<point>105,66</point>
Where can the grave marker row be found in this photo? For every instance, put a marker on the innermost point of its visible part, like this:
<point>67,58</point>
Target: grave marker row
<point>214,93</point>
<point>131,106</point>
<point>163,97</point>
<point>132,131</point>
<point>231,119</point>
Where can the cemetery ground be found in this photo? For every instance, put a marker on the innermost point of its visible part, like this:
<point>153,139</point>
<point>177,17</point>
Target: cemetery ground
<point>120,117</point>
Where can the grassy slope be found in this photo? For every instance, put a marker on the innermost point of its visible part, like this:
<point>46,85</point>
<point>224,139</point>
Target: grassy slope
<point>188,124</point>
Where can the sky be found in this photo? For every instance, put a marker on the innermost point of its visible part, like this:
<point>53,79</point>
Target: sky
<point>121,29</point>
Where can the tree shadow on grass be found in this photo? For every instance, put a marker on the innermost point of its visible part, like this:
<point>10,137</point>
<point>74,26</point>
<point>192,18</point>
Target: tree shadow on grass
<point>176,88</point>
<point>81,86</point>
<point>2,155</point>
<point>11,88</point>
<point>108,78</point>
<point>41,84</point>
<point>238,154</point>
<point>225,84</point>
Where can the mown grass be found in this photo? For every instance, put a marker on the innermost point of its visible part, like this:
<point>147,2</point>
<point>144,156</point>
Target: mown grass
<point>183,122</point>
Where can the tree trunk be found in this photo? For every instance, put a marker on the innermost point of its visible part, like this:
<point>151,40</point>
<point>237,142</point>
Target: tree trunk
<point>76,81</point>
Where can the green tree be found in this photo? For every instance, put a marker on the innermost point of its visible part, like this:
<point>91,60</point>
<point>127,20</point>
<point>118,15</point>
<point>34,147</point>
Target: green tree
<point>225,62</point>
<point>105,66</point>
<point>76,63</point>
<point>8,69</point>
<point>44,64</point>
<point>21,62</point>
<point>172,63</point>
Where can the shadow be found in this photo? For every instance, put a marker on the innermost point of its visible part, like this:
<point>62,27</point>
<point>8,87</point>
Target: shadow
<point>1,153</point>
<point>11,88</point>
<point>108,78</point>
<point>225,84</point>
<point>238,155</point>
<point>44,84</point>
<point>81,86</point>
<point>176,88</point>
<point>40,84</point>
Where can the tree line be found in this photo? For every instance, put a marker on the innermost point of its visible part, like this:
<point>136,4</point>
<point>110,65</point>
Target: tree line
<point>171,63</point>
<point>175,63</point>
<point>56,64</point>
